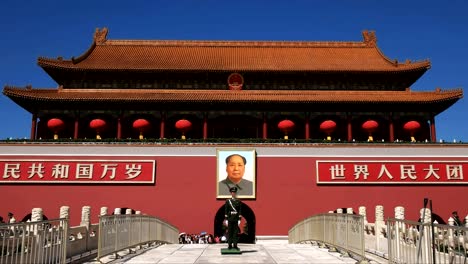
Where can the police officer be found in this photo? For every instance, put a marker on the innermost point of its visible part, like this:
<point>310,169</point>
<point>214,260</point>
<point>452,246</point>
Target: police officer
<point>232,214</point>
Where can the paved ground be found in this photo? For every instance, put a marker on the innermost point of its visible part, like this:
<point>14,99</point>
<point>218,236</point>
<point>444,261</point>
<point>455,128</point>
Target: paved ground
<point>258,253</point>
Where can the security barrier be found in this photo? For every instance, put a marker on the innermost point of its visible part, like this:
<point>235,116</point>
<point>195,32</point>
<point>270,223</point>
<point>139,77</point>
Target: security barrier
<point>120,232</point>
<point>415,242</point>
<point>34,242</point>
<point>343,232</point>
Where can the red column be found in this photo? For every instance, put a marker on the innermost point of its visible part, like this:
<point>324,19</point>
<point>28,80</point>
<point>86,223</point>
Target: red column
<point>205,126</point>
<point>390,126</point>
<point>75,131</point>
<point>119,127</point>
<point>433,130</point>
<point>163,120</point>
<point>307,127</point>
<point>33,127</point>
<point>265,127</point>
<point>350,129</point>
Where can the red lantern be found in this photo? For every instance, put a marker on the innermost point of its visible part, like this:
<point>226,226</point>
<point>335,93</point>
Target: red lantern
<point>98,125</point>
<point>370,127</point>
<point>412,127</point>
<point>141,125</point>
<point>328,127</point>
<point>286,126</point>
<point>183,126</point>
<point>55,124</point>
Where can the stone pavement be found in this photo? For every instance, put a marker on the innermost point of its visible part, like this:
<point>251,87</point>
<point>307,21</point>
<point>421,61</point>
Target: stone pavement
<point>251,253</point>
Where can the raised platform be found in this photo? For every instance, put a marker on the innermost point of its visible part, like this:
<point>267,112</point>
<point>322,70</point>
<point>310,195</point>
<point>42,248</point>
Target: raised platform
<point>232,251</point>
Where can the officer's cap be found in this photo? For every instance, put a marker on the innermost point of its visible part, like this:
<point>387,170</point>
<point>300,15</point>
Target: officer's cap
<point>233,189</point>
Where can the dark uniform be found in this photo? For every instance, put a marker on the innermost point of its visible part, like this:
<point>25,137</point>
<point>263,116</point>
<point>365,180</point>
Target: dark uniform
<point>232,213</point>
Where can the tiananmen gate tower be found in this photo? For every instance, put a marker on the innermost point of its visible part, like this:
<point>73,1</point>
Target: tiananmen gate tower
<point>324,121</point>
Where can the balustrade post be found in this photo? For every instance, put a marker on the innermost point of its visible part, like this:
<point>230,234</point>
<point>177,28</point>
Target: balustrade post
<point>379,224</point>
<point>103,211</point>
<point>362,211</point>
<point>65,212</point>
<point>36,216</point>
<point>85,216</point>
<point>400,213</point>
<point>399,229</point>
<point>425,236</point>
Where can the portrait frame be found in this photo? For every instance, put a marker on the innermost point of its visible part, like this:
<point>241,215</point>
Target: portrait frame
<point>249,178</point>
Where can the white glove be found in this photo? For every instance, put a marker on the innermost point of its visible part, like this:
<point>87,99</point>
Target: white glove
<point>238,222</point>
<point>225,222</point>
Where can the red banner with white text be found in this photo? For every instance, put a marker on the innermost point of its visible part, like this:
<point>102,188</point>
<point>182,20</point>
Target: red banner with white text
<point>395,171</point>
<point>84,170</point>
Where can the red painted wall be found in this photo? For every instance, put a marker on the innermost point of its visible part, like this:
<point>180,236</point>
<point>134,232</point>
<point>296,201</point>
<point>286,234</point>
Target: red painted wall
<point>185,195</point>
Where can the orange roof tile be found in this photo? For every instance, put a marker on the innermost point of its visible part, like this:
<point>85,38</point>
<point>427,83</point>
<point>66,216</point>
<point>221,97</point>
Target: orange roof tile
<point>228,96</point>
<point>241,56</point>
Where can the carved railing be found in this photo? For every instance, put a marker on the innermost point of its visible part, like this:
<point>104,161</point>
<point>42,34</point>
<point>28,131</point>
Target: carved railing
<point>338,232</point>
<point>34,242</point>
<point>121,232</point>
<point>416,242</point>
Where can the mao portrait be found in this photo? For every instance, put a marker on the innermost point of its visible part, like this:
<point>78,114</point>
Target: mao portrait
<point>236,168</point>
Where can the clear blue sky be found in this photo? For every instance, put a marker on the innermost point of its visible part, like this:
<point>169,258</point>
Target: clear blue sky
<point>415,30</point>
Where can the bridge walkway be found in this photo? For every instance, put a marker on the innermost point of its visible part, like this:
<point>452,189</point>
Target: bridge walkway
<point>251,253</point>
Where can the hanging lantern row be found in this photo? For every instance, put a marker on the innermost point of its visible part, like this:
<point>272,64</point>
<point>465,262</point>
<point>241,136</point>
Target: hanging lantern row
<point>184,125</point>
<point>370,126</point>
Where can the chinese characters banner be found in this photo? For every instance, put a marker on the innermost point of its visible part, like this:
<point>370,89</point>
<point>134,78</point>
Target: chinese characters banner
<point>86,170</point>
<point>391,171</point>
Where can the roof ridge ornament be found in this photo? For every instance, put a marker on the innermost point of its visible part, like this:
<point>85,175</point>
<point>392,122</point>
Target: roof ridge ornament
<point>100,35</point>
<point>370,39</point>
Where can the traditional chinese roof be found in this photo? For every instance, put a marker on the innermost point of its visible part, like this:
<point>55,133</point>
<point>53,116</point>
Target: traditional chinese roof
<point>243,56</point>
<point>434,101</point>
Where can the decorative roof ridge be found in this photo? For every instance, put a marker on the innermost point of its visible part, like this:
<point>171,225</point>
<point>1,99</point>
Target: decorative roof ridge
<point>236,43</point>
<point>99,37</point>
<point>425,62</point>
<point>370,40</point>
